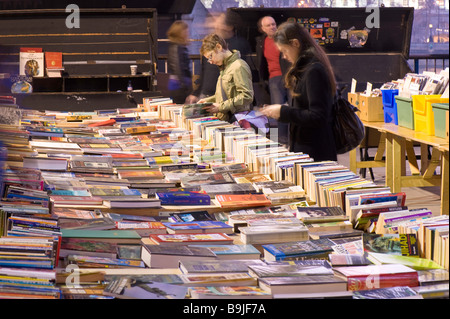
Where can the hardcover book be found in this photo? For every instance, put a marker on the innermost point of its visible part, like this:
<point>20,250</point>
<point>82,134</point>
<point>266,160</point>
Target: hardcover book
<point>184,198</point>
<point>378,276</point>
<point>297,250</point>
<point>156,256</point>
<point>31,62</point>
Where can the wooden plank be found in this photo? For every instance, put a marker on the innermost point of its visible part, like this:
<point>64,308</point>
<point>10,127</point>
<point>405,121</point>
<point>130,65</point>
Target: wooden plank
<point>433,164</point>
<point>419,181</point>
<point>381,147</point>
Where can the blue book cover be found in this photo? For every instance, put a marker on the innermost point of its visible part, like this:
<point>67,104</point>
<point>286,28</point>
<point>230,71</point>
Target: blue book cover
<point>67,192</point>
<point>184,198</point>
<point>299,248</point>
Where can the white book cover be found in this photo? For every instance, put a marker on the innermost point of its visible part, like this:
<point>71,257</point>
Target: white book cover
<point>32,64</point>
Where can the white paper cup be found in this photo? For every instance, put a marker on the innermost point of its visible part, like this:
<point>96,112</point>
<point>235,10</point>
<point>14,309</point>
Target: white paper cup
<point>133,69</point>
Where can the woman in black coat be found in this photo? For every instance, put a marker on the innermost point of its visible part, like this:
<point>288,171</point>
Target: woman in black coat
<point>312,84</point>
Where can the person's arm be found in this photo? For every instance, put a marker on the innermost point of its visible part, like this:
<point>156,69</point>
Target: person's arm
<point>317,88</point>
<point>242,79</point>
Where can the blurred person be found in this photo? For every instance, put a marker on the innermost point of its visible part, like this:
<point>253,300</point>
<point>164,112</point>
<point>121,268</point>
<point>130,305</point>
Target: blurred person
<point>272,67</point>
<point>312,85</point>
<point>179,67</point>
<point>234,89</point>
<point>225,26</point>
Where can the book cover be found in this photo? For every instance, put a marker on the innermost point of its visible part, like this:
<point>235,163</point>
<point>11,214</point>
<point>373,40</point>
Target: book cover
<point>76,200</point>
<point>282,270</point>
<point>394,244</point>
<point>184,198</point>
<point>388,293</point>
<point>219,279</point>
<point>234,251</point>
<point>416,263</point>
<point>378,276</point>
<point>128,288</point>
<point>297,249</point>
<point>190,216</point>
<point>227,292</point>
<point>53,60</point>
<point>218,266</point>
<point>321,214</point>
<point>191,239</point>
<point>31,62</point>
<point>307,285</point>
<point>242,200</point>
<point>198,227</point>
<point>230,188</point>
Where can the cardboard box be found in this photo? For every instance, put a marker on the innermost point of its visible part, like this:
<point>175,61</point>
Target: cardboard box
<point>371,108</point>
<point>353,98</point>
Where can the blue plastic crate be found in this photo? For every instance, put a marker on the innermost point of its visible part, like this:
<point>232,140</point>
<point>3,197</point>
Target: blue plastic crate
<point>390,106</point>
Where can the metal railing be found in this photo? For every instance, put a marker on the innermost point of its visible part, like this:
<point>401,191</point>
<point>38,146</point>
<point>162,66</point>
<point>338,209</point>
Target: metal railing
<point>429,62</point>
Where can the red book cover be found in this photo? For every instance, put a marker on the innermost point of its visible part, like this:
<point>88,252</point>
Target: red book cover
<point>242,200</point>
<point>378,276</point>
<point>53,60</point>
<point>103,123</point>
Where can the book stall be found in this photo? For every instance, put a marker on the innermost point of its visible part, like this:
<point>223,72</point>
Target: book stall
<point>114,194</point>
<point>198,208</point>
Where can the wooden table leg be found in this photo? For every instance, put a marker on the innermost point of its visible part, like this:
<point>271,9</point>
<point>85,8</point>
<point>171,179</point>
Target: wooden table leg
<point>389,161</point>
<point>352,160</point>
<point>398,163</point>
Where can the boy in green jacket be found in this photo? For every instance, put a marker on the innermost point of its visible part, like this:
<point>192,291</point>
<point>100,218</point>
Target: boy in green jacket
<point>234,89</point>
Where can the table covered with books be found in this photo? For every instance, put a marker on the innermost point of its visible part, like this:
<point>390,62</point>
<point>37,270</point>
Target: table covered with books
<point>162,202</point>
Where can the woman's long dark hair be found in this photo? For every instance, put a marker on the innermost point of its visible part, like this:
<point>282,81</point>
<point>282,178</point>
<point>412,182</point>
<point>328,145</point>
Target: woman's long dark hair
<point>309,48</point>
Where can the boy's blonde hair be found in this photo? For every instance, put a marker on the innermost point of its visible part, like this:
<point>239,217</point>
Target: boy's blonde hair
<point>210,42</point>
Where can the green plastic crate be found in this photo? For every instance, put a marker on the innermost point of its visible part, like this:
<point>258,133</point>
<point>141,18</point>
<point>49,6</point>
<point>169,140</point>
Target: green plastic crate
<point>405,112</point>
<point>440,114</point>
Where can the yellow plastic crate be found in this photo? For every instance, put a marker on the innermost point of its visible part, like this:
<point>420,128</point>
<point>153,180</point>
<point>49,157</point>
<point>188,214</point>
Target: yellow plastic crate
<point>423,112</point>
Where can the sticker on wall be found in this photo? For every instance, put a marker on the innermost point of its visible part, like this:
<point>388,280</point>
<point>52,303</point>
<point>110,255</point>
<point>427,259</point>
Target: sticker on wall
<point>316,33</point>
<point>357,38</point>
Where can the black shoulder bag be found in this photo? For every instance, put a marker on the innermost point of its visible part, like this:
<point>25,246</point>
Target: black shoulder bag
<point>347,127</point>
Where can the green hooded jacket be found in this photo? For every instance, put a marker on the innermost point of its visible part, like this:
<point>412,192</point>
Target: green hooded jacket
<point>236,78</point>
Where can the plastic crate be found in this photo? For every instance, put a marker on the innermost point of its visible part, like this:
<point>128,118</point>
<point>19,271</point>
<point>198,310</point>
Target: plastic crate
<point>440,111</point>
<point>405,114</point>
<point>423,112</point>
<point>390,106</point>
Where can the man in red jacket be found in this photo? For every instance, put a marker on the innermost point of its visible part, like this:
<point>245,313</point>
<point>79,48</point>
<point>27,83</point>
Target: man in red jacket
<point>272,67</point>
